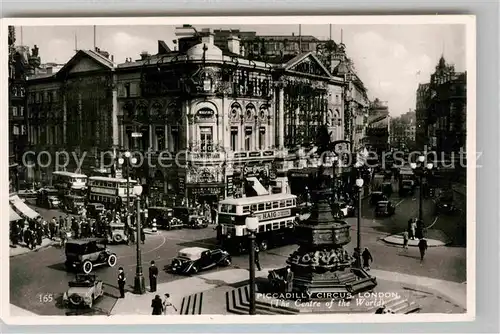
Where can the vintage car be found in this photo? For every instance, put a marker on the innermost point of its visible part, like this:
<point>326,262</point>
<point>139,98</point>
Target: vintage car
<point>190,217</point>
<point>444,204</point>
<point>164,218</point>
<point>47,198</point>
<point>376,197</point>
<point>407,187</point>
<point>83,291</point>
<point>384,208</point>
<point>95,209</point>
<point>194,259</point>
<point>116,233</point>
<point>73,204</point>
<point>85,254</point>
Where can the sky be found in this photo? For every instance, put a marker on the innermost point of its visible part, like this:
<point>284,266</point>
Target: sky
<point>391,60</point>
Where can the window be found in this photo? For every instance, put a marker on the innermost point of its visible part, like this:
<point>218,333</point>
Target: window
<point>268,206</point>
<point>261,207</point>
<point>127,90</point>
<point>15,130</point>
<point>175,138</point>
<point>282,204</point>
<point>276,205</point>
<point>246,209</point>
<point>254,207</point>
<point>262,138</point>
<point>289,202</point>
<point>234,138</point>
<point>14,111</point>
<point>206,138</point>
<point>21,111</point>
<point>248,138</point>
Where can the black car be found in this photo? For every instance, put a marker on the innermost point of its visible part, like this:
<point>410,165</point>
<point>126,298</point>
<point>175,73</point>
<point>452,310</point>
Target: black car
<point>444,204</point>
<point>384,209</point>
<point>377,196</point>
<point>85,254</point>
<point>194,259</point>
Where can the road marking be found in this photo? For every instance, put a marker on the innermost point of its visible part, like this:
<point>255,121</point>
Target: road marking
<point>434,222</point>
<point>149,251</point>
<point>401,201</point>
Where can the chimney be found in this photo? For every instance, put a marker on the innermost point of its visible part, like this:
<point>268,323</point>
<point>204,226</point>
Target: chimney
<point>233,44</point>
<point>144,55</point>
<point>112,58</point>
<point>207,36</point>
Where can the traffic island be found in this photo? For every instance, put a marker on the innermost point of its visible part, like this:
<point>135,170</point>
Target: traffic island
<point>435,238</point>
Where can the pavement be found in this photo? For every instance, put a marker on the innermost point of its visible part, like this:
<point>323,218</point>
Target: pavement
<point>216,284</point>
<point>21,249</point>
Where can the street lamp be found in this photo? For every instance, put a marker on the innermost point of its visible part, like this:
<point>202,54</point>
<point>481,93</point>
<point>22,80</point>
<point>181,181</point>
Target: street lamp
<point>252,224</point>
<point>139,285</point>
<point>127,162</point>
<point>359,184</point>
<point>423,169</point>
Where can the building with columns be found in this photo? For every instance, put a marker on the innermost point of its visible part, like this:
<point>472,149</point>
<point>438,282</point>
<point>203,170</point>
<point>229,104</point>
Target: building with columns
<point>208,120</point>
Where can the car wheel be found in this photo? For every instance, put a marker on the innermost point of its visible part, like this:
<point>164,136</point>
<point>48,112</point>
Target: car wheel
<point>263,245</point>
<point>112,260</point>
<point>117,238</point>
<point>75,299</point>
<point>87,267</point>
<point>226,262</point>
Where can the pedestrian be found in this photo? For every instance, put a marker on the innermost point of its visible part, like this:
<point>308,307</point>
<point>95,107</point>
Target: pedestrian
<point>153,275</point>
<point>367,258</point>
<point>157,305</point>
<point>143,236</point>
<point>356,255</point>
<point>405,239</point>
<point>39,235</point>
<point>288,279</point>
<point>413,229</point>
<point>422,246</point>
<point>52,228</point>
<point>257,260</point>
<point>121,282</point>
<point>168,306</point>
<point>214,214</point>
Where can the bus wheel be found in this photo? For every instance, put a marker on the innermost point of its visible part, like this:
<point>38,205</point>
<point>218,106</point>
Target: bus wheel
<point>263,245</point>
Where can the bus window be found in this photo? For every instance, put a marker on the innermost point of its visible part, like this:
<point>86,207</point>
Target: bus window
<point>246,209</point>
<point>294,202</point>
<point>254,207</point>
<point>262,228</point>
<point>232,209</point>
<point>282,204</point>
<point>261,207</point>
<point>289,202</point>
<point>276,226</point>
<point>268,206</point>
<point>276,205</point>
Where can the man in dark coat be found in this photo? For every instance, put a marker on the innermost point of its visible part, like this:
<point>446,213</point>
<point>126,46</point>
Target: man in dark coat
<point>257,260</point>
<point>153,275</point>
<point>157,305</point>
<point>143,236</point>
<point>121,282</point>
<point>422,246</point>
<point>367,258</point>
<point>39,235</point>
<point>288,280</point>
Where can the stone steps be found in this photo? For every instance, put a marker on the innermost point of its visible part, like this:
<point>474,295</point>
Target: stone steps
<point>192,304</point>
<point>238,302</point>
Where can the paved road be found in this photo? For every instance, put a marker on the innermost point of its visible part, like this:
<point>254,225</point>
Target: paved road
<point>34,274</point>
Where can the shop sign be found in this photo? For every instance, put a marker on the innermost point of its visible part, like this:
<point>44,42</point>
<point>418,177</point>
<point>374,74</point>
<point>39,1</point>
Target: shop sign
<point>255,170</point>
<point>206,191</point>
<point>182,184</point>
<point>274,214</point>
<point>299,175</point>
<point>106,191</point>
<point>229,186</point>
<point>240,155</point>
<point>268,153</point>
<point>205,112</point>
<point>254,154</point>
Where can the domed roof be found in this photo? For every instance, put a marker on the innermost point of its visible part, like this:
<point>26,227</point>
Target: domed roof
<point>211,51</point>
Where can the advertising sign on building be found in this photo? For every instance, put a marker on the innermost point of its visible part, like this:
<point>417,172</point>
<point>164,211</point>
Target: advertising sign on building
<point>229,186</point>
<point>182,185</point>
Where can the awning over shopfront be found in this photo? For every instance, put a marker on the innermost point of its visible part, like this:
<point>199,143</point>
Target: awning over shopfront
<point>257,186</point>
<point>21,208</point>
<point>14,216</point>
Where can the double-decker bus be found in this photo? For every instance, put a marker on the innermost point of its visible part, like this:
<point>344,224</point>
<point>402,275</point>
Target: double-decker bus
<point>277,219</point>
<point>110,191</point>
<point>69,183</point>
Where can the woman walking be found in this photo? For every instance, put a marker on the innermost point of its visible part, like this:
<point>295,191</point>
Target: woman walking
<point>168,307</point>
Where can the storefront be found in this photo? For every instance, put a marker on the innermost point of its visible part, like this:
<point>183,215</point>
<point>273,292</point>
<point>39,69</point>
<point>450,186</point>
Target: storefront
<point>205,192</point>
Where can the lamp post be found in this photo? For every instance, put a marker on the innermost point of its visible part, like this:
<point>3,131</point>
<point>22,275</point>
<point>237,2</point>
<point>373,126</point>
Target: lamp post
<point>127,161</point>
<point>139,285</point>
<point>423,169</point>
<point>335,160</point>
<point>252,224</point>
<point>359,185</point>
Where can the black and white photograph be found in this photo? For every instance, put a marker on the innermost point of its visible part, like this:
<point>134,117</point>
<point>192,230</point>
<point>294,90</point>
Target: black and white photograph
<point>320,167</point>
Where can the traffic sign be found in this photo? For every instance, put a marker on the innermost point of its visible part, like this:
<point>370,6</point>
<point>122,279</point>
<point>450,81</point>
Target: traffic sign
<point>136,134</point>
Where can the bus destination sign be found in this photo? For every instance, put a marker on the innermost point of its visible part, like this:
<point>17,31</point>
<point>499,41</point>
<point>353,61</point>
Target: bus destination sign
<point>274,214</point>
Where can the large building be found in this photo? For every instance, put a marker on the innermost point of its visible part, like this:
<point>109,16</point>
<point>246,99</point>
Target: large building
<point>21,64</point>
<point>422,134</point>
<point>403,131</point>
<point>379,127</point>
<point>209,119</point>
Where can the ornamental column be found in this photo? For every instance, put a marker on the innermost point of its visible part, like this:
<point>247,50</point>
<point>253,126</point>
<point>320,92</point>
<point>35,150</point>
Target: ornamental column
<point>281,117</point>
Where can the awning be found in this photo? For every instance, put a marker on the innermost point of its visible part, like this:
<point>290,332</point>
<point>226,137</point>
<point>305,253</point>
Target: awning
<point>23,209</point>
<point>257,186</point>
<point>14,216</point>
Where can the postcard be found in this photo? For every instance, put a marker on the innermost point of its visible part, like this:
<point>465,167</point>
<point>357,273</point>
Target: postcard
<point>239,169</point>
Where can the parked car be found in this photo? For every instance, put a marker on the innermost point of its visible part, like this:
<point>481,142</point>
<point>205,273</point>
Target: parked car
<point>190,217</point>
<point>85,254</point>
<point>376,197</point>
<point>164,218</point>
<point>83,291</point>
<point>194,259</point>
<point>48,198</point>
<point>95,209</point>
<point>384,209</point>
<point>444,204</point>
<point>116,233</point>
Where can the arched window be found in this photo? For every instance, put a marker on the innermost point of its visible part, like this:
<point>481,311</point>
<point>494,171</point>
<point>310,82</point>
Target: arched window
<point>235,111</point>
<point>142,111</point>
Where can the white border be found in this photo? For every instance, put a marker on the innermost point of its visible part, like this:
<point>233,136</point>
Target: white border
<point>468,20</point>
